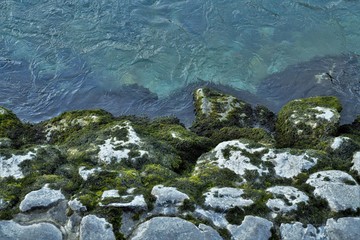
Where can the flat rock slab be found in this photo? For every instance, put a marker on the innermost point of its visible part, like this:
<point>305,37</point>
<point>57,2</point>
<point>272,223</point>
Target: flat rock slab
<point>10,230</point>
<point>251,228</point>
<point>95,228</point>
<point>44,197</point>
<point>226,198</point>
<point>291,194</point>
<point>168,195</point>
<point>173,228</point>
<point>338,188</point>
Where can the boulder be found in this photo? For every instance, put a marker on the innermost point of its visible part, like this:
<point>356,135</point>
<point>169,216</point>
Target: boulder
<point>296,231</point>
<point>43,198</point>
<point>172,228</point>
<point>95,228</point>
<point>356,162</point>
<point>305,123</point>
<point>251,228</point>
<point>226,198</point>
<point>10,166</point>
<point>286,198</point>
<point>338,188</point>
<point>11,230</point>
<point>343,228</point>
<point>168,199</point>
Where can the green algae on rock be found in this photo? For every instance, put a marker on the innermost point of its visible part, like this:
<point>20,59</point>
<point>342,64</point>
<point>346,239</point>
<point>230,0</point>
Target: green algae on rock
<point>306,123</point>
<point>226,175</point>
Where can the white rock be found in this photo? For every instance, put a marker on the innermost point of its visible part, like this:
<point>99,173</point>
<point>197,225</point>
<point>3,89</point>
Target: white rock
<point>236,161</point>
<point>293,196</point>
<point>344,228</point>
<point>338,141</point>
<point>296,231</point>
<point>325,113</point>
<point>288,165</point>
<point>168,196</point>
<point>10,166</point>
<point>95,228</point>
<point>173,228</point>
<point>44,197</point>
<point>226,198</point>
<point>110,194</point>
<point>76,205</point>
<point>108,151</point>
<point>356,162</point>
<point>10,230</point>
<point>217,219</point>
<point>339,189</point>
<point>86,173</point>
<point>251,228</point>
<point>137,203</point>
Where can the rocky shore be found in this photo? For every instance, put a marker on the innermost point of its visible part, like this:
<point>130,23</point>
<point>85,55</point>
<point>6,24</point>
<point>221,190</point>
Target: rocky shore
<point>239,172</point>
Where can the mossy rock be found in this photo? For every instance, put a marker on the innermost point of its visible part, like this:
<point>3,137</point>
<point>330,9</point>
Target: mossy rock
<point>12,128</point>
<point>215,110</point>
<point>58,129</point>
<point>230,133</point>
<point>306,123</point>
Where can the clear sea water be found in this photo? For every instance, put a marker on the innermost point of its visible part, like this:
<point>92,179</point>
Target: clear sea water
<point>53,51</point>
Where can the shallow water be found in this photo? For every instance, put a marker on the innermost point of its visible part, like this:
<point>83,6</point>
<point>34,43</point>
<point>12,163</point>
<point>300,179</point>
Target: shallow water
<point>57,55</point>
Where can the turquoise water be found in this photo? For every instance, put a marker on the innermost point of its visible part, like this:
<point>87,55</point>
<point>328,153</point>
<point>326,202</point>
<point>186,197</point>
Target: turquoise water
<point>51,50</point>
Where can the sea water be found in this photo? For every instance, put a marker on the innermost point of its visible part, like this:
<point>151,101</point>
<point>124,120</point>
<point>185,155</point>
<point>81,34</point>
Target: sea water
<point>58,55</point>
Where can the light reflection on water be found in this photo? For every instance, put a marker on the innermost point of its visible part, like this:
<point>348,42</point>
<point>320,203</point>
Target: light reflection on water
<point>52,50</point>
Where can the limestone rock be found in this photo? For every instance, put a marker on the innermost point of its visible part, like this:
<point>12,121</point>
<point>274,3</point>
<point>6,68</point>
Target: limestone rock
<point>95,228</point>
<point>86,173</point>
<point>296,231</point>
<point>251,228</point>
<point>344,228</point>
<point>343,147</point>
<point>216,218</point>
<point>289,165</point>
<point>11,230</point>
<point>303,123</point>
<point>292,195</point>
<point>356,162</point>
<point>44,197</point>
<point>172,228</point>
<point>167,199</point>
<point>10,166</point>
<point>339,189</point>
<point>226,198</point>
<point>215,110</point>
<point>76,205</point>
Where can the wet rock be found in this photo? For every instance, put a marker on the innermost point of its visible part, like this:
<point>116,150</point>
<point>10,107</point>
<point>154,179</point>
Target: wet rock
<point>95,228</point>
<point>286,198</point>
<point>43,198</point>
<point>251,228</point>
<point>171,228</point>
<point>296,231</point>
<point>339,189</point>
<point>304,123</point>
<point>343,228</point>
<point>226,198</point>
<point>11,230</point>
